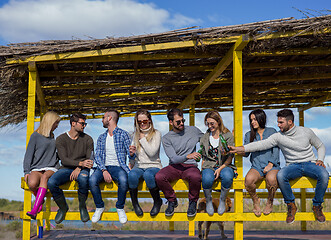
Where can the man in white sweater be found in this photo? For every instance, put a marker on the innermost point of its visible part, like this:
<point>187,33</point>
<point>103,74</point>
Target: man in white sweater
<point>297,145</point>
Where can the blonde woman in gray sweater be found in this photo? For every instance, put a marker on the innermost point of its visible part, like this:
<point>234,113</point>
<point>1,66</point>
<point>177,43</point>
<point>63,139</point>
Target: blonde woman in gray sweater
<point>146,146</point>
<point>40,161</point>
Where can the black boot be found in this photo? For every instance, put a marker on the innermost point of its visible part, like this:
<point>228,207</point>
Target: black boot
<point>84,216</point>
<point>135,204</point>
<point>157,201</point>
<point>171,208</point>
<point>63,209</point>
<point>192,209</point>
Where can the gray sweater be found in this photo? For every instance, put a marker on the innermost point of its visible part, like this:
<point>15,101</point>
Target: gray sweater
<point>40,153</point>
<point>178,145</point>
<point>296,145</point>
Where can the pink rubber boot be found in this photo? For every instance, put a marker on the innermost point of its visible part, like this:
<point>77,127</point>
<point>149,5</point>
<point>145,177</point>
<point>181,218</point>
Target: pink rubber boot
<point>39,201</point>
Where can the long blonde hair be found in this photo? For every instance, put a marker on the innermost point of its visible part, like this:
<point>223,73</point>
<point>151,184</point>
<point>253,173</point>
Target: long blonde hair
<point>137,131</point>
<point>217,117</point>
<point>47,123</point>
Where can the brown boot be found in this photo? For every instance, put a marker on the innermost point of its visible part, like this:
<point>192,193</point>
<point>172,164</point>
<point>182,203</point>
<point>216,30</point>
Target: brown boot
<point>291,210</point>
<point>256,202</point>
<point>270,201</point>
<point>319,214</point>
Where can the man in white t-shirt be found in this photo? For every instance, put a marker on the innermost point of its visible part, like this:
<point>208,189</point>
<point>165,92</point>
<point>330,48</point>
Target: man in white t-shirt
<point>110,157</point>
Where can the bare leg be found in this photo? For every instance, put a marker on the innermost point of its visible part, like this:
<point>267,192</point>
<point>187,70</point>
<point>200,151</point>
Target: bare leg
<point>272,185</point>
<point>44,178</point>
<point>34,181</point>
<point>251,178</point>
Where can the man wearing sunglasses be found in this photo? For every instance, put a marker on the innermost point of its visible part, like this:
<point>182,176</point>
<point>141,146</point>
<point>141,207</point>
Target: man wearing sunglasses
<point>179,145</point>
<point>110,157</point>
<point>75,150</point>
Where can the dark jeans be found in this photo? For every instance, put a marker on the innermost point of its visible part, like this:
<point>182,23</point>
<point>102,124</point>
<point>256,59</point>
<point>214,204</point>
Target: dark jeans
<point>137,174</point>
<point>62,176</point>
<point>173,172</point>
<point>118,175</point>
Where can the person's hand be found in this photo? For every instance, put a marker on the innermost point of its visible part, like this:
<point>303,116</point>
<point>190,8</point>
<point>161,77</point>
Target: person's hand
<point>320,163</point>
<point>132,150</point>
<point>107,177</point>
<point>217,173</point>
<point>88,163</point>
<point>268,167</point>
<point>239,150</point>
<point>194,156</point>
<point>74,174</point>
<point>26,178</point>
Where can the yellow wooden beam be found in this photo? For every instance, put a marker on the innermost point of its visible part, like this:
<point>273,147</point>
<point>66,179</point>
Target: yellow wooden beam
<point>159,70</point>
<point>288,52</point>
<point>153,47</point>
<point>316,102</point>
<point>220,67</point>
<point>123,50</point>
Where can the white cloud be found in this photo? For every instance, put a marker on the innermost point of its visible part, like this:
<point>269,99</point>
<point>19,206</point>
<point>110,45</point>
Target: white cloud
<point>34,20</point>
<point>325,136</point>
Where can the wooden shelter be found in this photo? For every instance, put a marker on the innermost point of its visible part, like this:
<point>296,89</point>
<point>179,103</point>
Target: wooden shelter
<point>272,64</point>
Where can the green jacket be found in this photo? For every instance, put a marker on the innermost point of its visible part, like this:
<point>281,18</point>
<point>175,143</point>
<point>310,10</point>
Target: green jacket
<point>210,162</point>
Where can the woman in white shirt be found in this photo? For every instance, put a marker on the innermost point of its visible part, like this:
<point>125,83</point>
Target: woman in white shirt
<point>146,145</point>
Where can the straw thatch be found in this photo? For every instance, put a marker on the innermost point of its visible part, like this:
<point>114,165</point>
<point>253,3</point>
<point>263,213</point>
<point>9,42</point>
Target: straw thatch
<point>270,80</point>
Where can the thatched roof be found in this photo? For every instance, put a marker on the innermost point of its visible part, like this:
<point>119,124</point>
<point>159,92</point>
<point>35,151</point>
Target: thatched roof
<point>285,64</point>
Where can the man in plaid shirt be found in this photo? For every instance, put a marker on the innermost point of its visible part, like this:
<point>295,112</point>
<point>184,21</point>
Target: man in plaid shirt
<point>110,157</point>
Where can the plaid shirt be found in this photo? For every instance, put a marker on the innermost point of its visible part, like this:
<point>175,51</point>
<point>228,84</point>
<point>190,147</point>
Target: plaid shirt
<point>121,141</point>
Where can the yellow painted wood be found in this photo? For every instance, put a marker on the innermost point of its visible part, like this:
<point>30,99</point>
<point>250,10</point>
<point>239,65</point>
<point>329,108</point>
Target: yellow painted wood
<point>171,225</point>
<point>121,50</point>
<point>192,115</point>
<point>288,52</point>
<point>191,228</point>
<point>31,100</point>
<point>151,47</point>
<point>316,102</point>
<point>27,220</point>
<point>47,212</point>
<point>220,67</point>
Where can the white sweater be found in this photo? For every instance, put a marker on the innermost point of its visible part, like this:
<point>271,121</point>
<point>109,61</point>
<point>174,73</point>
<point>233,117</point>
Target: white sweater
<point>296,145</point>
<point>149,154</point>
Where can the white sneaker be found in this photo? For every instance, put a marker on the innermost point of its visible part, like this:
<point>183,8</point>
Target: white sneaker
<point>121,215</point>
<point>97,214</point>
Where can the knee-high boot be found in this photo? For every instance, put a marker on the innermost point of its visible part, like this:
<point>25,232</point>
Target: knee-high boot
<point>256,201</point>
<point>39,202</point>
<point>157,201</point>
<point>271,194</point>
<point>209,201</point>
<point>135,204</point>
<point>84,216</point>
<point>63,209</point>
<point>221,207</point>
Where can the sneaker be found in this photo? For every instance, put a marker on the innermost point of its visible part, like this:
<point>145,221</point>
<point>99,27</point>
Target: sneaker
<point>171,208</point>
<point>97,214</point>
<point>291,210</point>
<point>192,209</point>
<point>319,214</point>
<point>121,215</point>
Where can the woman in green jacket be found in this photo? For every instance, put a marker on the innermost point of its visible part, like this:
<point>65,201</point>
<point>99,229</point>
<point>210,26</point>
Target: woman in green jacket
<point>216,162</point>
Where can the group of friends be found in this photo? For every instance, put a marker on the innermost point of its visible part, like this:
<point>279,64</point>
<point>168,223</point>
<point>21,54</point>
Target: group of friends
<point>75,150</point>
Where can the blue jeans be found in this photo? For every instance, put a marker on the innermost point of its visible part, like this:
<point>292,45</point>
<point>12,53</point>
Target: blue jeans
<point>118,175</point>
<point>308,169</point>
<point>226,176</point>
<point>62,176</point>
<point>148,174</point>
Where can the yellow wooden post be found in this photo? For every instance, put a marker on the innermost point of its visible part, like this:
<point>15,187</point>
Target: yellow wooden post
<point>192,115</point>
<point>47,213</point>
<point>237,111</point>
<point>303,190</point>
<point>29,131</point>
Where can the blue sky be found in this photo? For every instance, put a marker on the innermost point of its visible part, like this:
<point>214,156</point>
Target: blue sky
<point>35,20</point>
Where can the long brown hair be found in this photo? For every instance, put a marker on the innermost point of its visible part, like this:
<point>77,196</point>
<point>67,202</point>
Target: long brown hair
<point>261,118</point>
<point>137,130</point>
<point>217,117</point>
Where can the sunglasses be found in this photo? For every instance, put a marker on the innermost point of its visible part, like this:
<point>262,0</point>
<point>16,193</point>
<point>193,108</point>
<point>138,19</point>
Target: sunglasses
<point>179,121</point>
<point>143,121</point>
<point>82,123</point>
